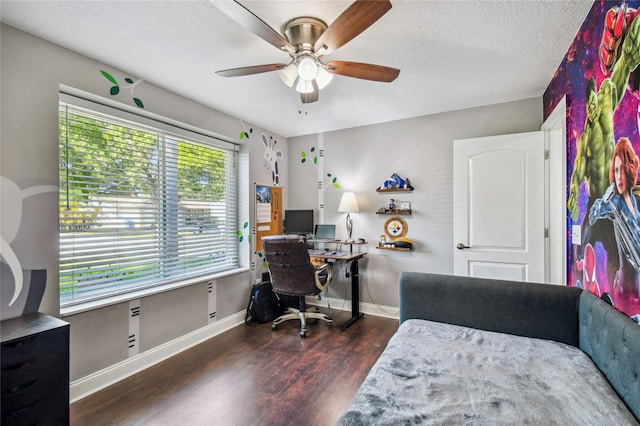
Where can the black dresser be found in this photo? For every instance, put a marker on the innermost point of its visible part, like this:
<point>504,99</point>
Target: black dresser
<point>35,371</point>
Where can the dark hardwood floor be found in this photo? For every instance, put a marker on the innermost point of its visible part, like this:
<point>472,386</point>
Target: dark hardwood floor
<point>249,375</point>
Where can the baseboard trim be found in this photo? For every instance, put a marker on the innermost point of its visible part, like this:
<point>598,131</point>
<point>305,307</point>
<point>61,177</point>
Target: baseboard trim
<point>92,383</point>
<point>365,308</point>
<point>99,380</point>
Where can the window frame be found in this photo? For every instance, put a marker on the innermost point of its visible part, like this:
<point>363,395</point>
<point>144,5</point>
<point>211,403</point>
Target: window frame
<point>173,129</point>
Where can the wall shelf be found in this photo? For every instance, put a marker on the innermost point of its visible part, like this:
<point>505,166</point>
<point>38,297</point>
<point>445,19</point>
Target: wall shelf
<point>394,190</point>
<point>395,212</point>
<point>394,248</point>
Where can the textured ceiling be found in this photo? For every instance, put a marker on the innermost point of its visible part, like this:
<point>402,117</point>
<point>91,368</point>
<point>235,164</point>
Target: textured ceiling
<point>452,54</point>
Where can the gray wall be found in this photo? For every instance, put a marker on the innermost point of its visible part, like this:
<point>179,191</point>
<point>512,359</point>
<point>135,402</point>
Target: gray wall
<point>419,149</point>
<point>32,71</point>
<point>31,74</point>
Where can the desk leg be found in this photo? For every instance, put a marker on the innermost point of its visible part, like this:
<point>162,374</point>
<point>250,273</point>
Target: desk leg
<point>355,296</point>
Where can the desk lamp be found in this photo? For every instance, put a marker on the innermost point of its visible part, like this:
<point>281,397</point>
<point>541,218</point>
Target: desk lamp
<point>349,204</point>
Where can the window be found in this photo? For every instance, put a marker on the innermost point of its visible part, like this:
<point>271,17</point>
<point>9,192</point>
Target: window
<point>140,206</point>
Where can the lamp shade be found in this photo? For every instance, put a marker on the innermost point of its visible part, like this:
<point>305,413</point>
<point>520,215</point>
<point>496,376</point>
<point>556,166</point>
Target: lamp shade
<point>307,68</point>
<point>304,86</point>
<point>288,74</point>
<point>348,203</point>
<point>323,78</point>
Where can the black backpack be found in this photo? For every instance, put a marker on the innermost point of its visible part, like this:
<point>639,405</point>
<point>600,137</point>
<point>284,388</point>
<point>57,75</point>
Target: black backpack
<point>263,304</point>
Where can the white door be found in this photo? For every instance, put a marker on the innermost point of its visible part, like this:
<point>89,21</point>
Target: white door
<point>498,207</point>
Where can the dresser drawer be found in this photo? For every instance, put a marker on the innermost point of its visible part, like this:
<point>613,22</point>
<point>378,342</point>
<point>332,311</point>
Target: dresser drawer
<point>34,398</point>
<point>41,412</point>
<point>34,364</point>
<point>25,349</point>
<point>44,368</point>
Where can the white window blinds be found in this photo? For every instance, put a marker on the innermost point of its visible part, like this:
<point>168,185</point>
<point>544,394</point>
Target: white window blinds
<point>140,206</point>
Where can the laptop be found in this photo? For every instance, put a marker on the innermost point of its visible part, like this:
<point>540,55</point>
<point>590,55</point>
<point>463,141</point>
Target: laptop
<point>324,233</point>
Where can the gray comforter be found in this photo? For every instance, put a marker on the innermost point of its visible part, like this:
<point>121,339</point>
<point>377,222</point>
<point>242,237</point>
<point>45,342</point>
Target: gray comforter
<point>436,373</point>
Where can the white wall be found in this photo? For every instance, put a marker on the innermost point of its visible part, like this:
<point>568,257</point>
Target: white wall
<point>32,71</point>
<point>419,149</point>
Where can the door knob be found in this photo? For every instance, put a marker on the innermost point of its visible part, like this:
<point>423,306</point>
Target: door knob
<point>461,246</point>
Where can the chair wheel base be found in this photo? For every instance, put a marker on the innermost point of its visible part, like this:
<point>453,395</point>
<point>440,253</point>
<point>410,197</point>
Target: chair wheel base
<point>304,318</point>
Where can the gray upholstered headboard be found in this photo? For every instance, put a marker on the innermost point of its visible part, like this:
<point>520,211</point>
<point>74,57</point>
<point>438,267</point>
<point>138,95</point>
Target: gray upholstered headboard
<point>532,310</point>
<point>612,340</point>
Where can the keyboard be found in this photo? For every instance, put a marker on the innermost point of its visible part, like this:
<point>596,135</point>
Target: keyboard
<point>316,252</point>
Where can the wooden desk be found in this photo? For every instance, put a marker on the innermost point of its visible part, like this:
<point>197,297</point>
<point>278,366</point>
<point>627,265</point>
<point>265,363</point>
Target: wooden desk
<point>355,281</point>
<point>339,242</point>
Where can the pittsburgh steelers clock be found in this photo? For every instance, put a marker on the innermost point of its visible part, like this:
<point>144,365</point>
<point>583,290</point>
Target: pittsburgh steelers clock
<point>395,227</point>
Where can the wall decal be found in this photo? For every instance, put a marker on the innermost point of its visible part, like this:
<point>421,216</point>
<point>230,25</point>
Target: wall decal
<point>134,328</point>
<point>601,79</point>
<point>22,287</point>
<point>304,155</point>
<point>240,233</point>
<point>245,134</point>
<point>271,157</point>
<point>212,301</point>
<point>34,282</point>
<point>333,180</point>
<point>115,89</point>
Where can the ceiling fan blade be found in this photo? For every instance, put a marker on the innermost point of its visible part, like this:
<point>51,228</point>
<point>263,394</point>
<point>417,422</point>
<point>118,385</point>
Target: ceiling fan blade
<point>256,69</point>
<point>253,23</point>
<point>357,18</point>
<point>364,71</point>
<point>308,98</point>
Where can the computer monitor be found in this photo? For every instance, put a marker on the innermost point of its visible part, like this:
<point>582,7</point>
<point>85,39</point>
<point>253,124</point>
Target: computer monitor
<point>324,232</point>
<point>298,222</point>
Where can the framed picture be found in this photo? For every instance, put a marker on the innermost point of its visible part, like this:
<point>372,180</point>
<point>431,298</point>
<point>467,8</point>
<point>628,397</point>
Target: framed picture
<point>405,205</point>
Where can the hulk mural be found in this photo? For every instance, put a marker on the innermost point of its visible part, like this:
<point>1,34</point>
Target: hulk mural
<point>601,79</point>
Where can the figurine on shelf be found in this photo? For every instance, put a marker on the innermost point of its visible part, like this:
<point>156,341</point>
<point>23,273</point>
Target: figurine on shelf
<point>396,182</point>
<point>392,205</point>
<point>403,242</point>
<point>407,185</point>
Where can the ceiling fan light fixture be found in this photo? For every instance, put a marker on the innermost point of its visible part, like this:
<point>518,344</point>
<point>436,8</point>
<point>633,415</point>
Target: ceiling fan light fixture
<point>307,68</point>
<point>304,86</point>
<point>307,40</point>
<point>288,74</point>
<point>323,78</point>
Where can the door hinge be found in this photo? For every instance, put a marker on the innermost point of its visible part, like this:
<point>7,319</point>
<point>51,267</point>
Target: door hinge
<point>546,232</point>
<point>546,154</point>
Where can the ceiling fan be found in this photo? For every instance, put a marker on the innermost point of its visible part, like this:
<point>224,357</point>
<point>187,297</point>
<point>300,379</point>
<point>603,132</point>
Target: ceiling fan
<point>306,40</point>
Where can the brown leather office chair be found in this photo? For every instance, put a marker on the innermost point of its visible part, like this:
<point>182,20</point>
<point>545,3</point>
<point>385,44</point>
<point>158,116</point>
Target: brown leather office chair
<point>292,274</point>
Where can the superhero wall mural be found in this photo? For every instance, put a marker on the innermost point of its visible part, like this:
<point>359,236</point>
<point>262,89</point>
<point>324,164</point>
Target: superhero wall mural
<point>601,80</point>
